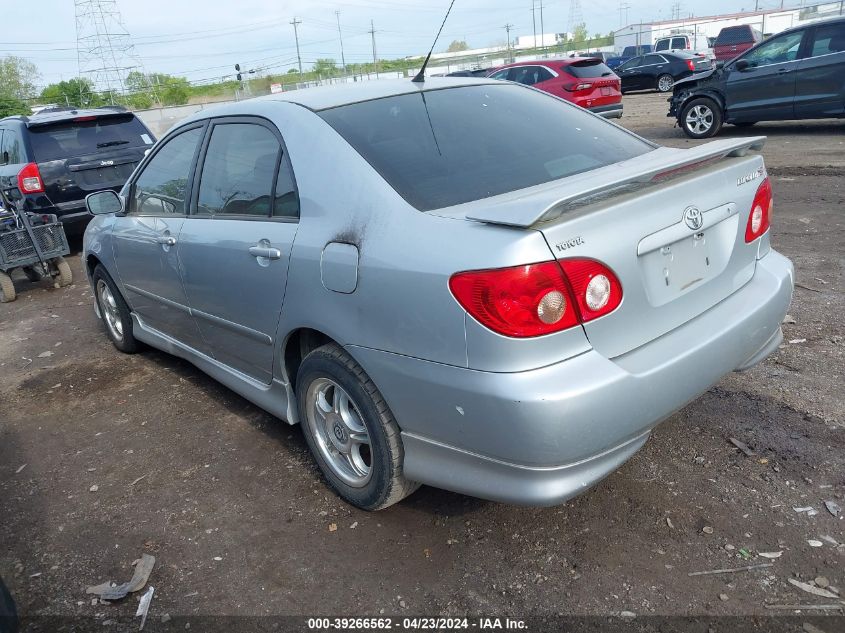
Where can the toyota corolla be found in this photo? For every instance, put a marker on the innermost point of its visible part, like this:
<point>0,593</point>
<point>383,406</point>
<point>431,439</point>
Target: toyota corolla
<point>463,283</point>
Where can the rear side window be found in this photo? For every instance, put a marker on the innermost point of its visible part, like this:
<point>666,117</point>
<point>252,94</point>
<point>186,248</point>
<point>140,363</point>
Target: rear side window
<point>734,35</point>
<point>80,137</point>
<point>829,39</point>
<point>162,185</point>
<point>529,75</point>
<point>444,147</point>
<point>588,69</point>
<point>11,151</point>
<point>239,170</point>
<point>650,60</point>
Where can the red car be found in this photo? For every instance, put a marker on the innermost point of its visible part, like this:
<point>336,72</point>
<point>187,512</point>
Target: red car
<point>733,41</point>
<point>585,81</point>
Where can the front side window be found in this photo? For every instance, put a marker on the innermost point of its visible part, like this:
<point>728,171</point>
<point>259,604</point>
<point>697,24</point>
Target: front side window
<point>777,50</point>
<point>162,186</point>
<point>662,45</point>
<point>502,74</point>
<point>829,39</point>
<point>237,176</point>
<point>444,147</point>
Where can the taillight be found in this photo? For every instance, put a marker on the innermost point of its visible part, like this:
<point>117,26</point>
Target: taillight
<point>29,179</point>
<point>538,299</point>
<point>691,64</point>
<point>761,212</point>
<point>597,290</point>
<point>575,87</point>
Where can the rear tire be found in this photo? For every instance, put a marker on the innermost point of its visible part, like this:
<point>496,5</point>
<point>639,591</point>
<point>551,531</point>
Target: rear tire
<point>114,312</point>
<point>351,432</point>
<point>701,118</point>
<point>665,83</point>
<point>65,277</point>
<point>7,288</point>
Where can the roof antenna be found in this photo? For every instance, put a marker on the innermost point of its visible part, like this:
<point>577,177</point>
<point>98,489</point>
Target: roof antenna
<point>420,78</point>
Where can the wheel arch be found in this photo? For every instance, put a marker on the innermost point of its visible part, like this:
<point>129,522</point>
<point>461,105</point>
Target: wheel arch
<point>709,94</point>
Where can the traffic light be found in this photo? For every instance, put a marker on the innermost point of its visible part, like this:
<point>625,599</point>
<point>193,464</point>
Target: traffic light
<point>238,70</point>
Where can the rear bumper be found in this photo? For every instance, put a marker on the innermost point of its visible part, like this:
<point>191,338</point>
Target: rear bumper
<point>613,111</point>
<point>542,436</point>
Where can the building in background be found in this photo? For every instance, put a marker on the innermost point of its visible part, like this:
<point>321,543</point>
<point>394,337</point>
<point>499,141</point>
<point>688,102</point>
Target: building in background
<point>767,22</point>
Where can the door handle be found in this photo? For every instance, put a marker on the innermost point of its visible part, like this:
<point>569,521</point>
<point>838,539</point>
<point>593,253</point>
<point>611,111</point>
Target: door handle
<point>265,251</point>
<point>166,240</point>
<point>783,71</point>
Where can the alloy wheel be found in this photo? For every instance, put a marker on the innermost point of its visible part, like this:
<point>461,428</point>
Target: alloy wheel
<point>665,83</point>
<point>335,422</point>
<point>108,307</point>
<point>699,119</point>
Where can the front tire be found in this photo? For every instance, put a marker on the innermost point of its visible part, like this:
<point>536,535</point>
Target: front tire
<point>350,430</point>
<point>115,313</point>
<point>665,83</point>
<point>701,118</point>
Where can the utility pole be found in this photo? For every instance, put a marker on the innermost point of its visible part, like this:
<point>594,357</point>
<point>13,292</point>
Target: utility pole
<point>508,28</point>
<point>542,29</point>
<point>375,55</point>
<point>340,37</point>
<point>534,23</point>
<point>295,23</point>
<point>623,8</point>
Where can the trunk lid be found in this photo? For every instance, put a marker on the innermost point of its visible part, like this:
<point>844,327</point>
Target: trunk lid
<point>674,235</point>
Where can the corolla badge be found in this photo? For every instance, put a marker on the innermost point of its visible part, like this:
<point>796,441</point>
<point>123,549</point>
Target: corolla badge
<point>754,175</point>
<point>693,218</point>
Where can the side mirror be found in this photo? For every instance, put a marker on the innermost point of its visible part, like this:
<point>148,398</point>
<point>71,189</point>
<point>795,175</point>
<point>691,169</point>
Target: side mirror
<point>103,202</point>
<point>720,64</point>
<point>742,65</point>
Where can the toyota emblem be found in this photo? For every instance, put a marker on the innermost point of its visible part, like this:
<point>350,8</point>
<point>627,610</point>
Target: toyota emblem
<point>693,218</point>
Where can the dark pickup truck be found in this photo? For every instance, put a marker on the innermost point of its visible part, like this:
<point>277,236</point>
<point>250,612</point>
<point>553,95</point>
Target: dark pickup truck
<point>629,52</point>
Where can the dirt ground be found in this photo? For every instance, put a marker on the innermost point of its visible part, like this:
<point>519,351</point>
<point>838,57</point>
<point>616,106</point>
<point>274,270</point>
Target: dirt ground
<point>104,457</point>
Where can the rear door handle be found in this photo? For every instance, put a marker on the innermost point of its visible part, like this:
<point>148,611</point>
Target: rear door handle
<point>265,251</point>
<point>166,240</point>
<point>783,71</point>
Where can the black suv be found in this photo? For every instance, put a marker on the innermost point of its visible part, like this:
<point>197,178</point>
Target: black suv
<point>796,74</point>
<point>51,160</point>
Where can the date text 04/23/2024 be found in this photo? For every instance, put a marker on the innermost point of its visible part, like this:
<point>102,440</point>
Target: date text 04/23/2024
<point>417,623</point>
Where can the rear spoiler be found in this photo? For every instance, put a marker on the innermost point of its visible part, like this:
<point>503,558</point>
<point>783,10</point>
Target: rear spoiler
<point>549,201</point>
<point>62,117</point>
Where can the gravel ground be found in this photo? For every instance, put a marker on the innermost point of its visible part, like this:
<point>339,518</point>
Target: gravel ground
<point>104,457</point>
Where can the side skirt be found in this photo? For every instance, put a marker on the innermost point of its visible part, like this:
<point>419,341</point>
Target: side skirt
<point>276,398</point>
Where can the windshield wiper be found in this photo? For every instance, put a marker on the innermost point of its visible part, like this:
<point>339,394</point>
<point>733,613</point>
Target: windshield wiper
<point>111,143</point>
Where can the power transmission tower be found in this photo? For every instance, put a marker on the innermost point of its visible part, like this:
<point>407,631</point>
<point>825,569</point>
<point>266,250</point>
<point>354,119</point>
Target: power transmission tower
<point>340,37</point>
<point>375,55</point>
<point>295,23</point>
<point>576,16</point>
<point>104,51</point>
<point>508,28</point>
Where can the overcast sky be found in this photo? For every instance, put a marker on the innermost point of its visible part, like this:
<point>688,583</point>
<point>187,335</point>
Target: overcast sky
<point>202,39</point>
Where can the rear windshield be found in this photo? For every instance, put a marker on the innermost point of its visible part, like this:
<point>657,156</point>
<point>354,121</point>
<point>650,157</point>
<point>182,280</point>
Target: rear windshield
<point>588,69</point>
<point>734,35</point>
<point>76,138</point>
<point>444,147</point>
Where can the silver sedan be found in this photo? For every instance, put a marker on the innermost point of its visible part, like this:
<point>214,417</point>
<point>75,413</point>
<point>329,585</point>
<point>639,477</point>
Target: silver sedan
<point>463,283</point>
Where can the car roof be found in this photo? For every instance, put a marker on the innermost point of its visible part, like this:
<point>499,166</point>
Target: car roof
<point>552,61</point>
<point>335,95</point>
